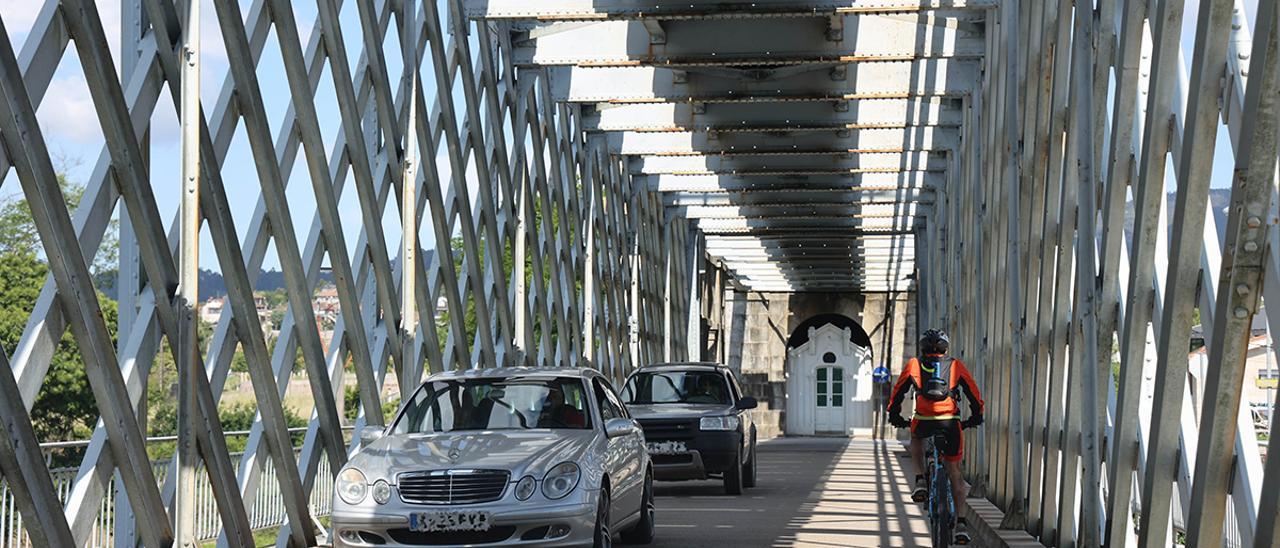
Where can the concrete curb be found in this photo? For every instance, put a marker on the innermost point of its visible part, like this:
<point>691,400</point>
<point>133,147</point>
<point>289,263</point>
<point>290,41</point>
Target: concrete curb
<point>984,524</point>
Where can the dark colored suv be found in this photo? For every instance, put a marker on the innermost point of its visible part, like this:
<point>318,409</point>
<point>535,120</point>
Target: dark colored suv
<point>695,422</point>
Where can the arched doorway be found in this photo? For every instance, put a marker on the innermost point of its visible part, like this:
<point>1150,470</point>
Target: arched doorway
<point>829,377</point>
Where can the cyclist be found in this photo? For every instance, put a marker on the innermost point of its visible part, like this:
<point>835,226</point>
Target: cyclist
<point>938,380</point>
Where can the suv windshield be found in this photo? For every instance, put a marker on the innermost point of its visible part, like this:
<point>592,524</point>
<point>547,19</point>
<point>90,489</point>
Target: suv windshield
<point>707,387</point>
<point>511,403</point>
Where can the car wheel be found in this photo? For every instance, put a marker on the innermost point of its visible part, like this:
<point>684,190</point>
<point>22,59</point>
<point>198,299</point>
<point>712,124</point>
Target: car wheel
<point>749,469</point>
<point>733,476</point>
<point>645,529</point>
<point>604,535</point>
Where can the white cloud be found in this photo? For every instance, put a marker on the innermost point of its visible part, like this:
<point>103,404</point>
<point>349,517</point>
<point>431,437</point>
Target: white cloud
<point>19,15</point>
<point>67,112</point>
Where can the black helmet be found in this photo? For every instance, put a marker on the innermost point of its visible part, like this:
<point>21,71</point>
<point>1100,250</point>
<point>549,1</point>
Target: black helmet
<point>934,341</point>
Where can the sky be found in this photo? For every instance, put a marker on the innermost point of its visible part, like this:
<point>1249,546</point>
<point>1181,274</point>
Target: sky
<point>68,121</point>
<point>69,124</point>
<point>1223,162</point>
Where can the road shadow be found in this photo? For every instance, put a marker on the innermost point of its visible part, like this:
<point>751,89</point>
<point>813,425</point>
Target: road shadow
<point>812,492</point>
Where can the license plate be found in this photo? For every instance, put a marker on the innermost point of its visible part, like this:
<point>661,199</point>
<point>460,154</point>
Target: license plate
<point>449,520</point>
<point>666,447</point>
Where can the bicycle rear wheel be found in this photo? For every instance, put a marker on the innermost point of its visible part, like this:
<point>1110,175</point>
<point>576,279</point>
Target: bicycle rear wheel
<point>942,511</point>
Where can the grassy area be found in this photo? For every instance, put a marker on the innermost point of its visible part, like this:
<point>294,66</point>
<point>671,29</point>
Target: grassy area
<point>261,538</point>
<point>264,538</point>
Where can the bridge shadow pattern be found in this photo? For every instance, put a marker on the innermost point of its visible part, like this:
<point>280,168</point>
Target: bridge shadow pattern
<point>813,492</point>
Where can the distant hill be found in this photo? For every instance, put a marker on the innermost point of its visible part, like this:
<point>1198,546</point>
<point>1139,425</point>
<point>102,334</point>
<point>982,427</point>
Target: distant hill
<point>211,283</point>
<point>1220,198</point>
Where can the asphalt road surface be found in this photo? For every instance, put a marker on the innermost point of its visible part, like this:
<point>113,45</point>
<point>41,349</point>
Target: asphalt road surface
<point>820,492</point>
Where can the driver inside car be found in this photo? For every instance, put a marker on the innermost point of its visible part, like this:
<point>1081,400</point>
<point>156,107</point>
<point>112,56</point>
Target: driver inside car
<point>705,391</point>
<point>558,414</point>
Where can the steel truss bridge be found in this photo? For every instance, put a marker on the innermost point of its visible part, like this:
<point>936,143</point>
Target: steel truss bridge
<point>635,159</point>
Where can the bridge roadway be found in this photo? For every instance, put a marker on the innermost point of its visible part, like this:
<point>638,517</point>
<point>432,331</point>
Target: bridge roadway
<point>812,492</point>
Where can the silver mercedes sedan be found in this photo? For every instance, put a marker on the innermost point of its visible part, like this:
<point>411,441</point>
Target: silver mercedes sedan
<point>500,457</point>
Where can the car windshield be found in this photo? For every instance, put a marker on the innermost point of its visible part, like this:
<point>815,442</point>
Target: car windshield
<point>707,387</point>
<point>510,403</point>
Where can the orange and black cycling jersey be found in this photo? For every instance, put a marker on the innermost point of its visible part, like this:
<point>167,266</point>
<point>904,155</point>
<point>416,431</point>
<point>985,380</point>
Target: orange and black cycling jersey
<point>929,409</point>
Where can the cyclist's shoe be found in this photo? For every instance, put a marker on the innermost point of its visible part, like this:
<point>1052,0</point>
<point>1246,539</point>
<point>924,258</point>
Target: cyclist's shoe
<point>921,492</point>
<point>962,533</point>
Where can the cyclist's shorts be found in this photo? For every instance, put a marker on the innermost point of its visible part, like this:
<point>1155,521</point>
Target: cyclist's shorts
<point>952,446</point>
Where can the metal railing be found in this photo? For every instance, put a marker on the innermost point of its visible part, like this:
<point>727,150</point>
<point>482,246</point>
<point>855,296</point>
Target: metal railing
<point>266,510</point>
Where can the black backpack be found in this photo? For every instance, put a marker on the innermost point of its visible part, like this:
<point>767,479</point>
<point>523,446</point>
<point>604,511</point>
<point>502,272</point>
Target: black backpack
<point>935,378</point>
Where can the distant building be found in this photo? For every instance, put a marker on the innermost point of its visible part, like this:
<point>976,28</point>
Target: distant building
<point>211,310</point>
<point>327,306</point>
<point>1261,377</point>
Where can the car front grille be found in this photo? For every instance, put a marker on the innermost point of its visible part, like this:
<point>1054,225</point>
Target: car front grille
<point>681,458</point>
<point>452,538</point>
<point>453,486</point>
<point>669,429</point>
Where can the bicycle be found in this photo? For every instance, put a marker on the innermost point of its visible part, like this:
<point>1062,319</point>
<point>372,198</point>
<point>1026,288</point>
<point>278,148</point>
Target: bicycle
<point>941,503</point>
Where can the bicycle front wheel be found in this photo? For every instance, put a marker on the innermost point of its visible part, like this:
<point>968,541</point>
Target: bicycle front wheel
<point>942,513</point>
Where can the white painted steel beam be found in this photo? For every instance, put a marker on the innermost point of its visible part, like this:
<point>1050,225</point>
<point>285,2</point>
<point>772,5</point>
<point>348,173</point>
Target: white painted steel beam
<point>862,140</point>
<point>810,115</point>
<point>905,185</point>
<point>797,224</point>
<point>797,196</point>
<point>627,9</point>
<point>728,42</point>
<point>781,165</point>
<point>853,211</point>
<point>863,80</point>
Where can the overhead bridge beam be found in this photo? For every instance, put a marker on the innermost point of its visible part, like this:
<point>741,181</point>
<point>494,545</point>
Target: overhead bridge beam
<point>577,10</point>
<point>819,268</point>
<point>813,288</point>
<point>860,113</point>
<point>872,255</point>
<point>854,279</point>
<point>863,80</point>
<point>797,225</point>
<point>861,140</point>
<point>765,197</point>
<point>847,275</point>
<point>852,211</point>
<point>756,255</point>
<point>901,184</point>
<point>717,42</point>
<point>777,165</point>
<point>717,244</point>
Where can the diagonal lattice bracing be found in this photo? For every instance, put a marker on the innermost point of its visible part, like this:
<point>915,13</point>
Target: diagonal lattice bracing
<point>542,176</point>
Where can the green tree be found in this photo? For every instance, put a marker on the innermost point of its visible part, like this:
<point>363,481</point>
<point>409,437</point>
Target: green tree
<point>65,408</point>
<point>351,405</point>
<point>18,231</point>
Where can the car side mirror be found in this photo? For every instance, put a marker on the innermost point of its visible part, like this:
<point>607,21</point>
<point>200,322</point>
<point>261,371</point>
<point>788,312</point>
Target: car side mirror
<point>370,434</point>
<point>618,427</point>
<point>748,402</point>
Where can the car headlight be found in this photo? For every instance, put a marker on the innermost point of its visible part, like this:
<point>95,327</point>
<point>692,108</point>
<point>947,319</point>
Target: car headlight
<point>525,488</point>
<point>381,491</point>
<point>351,486</point>
<point>719,423</point>
<point>560,480</point>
